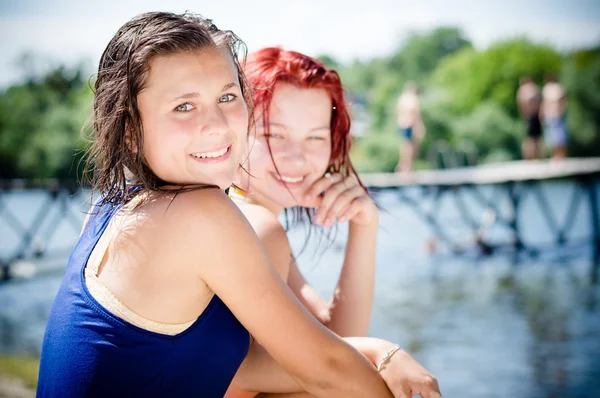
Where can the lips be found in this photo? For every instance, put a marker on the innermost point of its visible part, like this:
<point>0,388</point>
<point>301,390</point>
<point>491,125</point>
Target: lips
<point>212,156</point>
<point>289,181</point>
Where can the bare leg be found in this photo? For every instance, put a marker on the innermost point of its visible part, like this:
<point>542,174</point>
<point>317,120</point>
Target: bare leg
<point>560,152</point>
<point>408,156</point>
<point>528,149</point>
<point>400,158</point>
<point>233,392</point>
<point>539,148</point>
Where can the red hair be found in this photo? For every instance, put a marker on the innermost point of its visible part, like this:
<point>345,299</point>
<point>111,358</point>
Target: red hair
<point>269,66</point>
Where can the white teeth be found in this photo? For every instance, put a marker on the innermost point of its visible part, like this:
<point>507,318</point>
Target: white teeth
<point>289,179</point>
<point>205,155</point>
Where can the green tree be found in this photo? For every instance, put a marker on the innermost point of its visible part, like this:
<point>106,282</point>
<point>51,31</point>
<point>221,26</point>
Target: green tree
<point>581,78</point>
<point>422,52</point>
<point>477,90</point>
<point>470,77</point>
<point>381,80</point>
<point>40,121</point>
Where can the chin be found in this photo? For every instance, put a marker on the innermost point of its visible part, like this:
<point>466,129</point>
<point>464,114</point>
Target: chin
<point>287,202</point>
<point>222,183</point>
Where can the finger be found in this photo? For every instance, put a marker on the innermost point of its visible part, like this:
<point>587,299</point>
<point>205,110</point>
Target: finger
<point>344,199</point>
<point>323,184</point>
<point>402,394</point>
<point>332,194</point>
<point>343,202</point>
<point>330,197</point>
<point>328,200</point>
<point>426,393</point>
<point>311,201</point>
<point>430,388</point>
<point>352,210</point>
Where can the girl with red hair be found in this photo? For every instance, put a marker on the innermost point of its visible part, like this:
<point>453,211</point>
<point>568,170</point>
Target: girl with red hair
<point>299,162</point>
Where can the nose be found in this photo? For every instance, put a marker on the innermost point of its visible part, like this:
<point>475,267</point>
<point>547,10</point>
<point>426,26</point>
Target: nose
<point>291,154</point>
<point>213,121</point>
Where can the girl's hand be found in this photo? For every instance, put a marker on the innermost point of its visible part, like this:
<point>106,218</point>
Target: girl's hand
<point>405,377</point>
<point>343,200</point>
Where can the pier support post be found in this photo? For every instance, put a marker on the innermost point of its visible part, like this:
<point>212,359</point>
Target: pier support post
<point>514,197</point>
<point>595,219</point>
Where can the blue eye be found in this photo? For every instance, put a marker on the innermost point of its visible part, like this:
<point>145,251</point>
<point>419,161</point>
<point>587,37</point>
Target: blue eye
<point>272,135</point>
<point>227,98</point>
<point>317,138</point>
<point>184,107</point>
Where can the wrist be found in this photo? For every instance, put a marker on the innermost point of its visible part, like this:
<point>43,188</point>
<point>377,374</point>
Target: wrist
<point>372,348</point>
<point>370,226</point>
<point>384,361</point>
<point>378,349</point>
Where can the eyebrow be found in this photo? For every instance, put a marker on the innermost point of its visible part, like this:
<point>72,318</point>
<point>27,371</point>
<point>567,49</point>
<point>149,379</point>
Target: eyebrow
<point>228,86</point>
<point>187,96</point>
<point>319,128</point>
<point>195,94</point>
<point>275,124</point>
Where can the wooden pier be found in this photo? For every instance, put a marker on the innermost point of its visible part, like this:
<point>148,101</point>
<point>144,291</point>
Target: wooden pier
<point>496,173</point>
<point>421,191</point>
<point>512,179</point>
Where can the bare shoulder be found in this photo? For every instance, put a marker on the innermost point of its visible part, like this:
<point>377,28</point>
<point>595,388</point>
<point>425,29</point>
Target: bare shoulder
<point>272,235</point>
<point>204,204</point>
<point>264,223</point>
<point>198,220</point>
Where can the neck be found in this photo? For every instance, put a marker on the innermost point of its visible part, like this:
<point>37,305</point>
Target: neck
<point>256,198</point>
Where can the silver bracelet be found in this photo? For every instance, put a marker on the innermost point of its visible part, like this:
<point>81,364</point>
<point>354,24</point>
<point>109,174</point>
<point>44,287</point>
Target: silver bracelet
<point>387,357</point>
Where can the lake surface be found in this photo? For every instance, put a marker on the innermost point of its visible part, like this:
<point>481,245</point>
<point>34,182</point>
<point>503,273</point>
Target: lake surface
<point>485,326</point>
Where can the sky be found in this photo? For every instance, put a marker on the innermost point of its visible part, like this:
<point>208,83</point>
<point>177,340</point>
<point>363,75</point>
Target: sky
<point>69,31</point>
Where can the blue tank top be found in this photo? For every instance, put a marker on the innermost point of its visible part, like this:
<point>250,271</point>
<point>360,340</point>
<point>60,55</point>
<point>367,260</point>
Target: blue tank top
<point>89,352</point>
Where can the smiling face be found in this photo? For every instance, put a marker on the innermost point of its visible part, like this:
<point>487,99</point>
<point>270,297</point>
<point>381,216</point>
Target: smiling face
<point>299,136</point>
<point>194,118</point>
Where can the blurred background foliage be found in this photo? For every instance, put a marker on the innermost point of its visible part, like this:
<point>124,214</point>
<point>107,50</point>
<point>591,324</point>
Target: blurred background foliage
<point>467,98</point>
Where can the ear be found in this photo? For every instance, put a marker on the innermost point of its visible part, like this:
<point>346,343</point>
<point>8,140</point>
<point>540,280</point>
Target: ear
<point>129,140</point>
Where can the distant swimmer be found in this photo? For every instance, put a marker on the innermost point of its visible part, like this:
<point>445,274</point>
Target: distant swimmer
<point>410,126</point>
<point>553,114</point>
<point>528,102</point>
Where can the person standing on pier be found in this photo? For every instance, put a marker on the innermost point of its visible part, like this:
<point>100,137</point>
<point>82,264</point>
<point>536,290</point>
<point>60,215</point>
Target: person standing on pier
<point>410,126</point>
<point>553,114</point>
<point>528,102</point>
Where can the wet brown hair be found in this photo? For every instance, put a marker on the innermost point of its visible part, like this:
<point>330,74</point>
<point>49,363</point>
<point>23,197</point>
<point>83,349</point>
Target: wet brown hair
<point>114,160</point>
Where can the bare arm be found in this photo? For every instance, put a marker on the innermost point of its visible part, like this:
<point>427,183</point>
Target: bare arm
<point>402,373</point>
<point>236,269</point>
<point>260,373</point>
<point>520,104</point>
<point>309,297</point>
<point>352,302</point>
<point>419,125</point>
<point>265,375</point>
<point>349,312</point>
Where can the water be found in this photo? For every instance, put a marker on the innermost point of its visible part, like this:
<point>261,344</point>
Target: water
<point>484,326</point>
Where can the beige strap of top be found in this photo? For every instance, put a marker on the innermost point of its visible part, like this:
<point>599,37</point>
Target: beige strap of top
<point>108,300</point>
